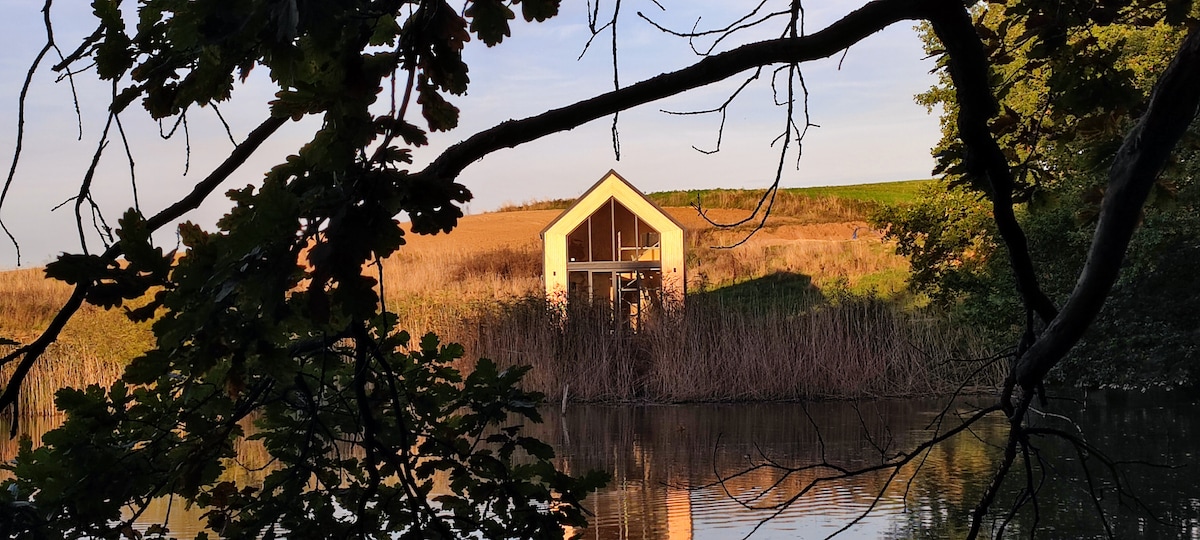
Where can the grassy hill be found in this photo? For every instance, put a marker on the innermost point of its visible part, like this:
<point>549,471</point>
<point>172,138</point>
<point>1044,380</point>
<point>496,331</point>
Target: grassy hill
<point>787,198</point>
<point>881,193</point>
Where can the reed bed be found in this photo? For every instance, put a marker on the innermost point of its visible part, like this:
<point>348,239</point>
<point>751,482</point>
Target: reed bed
<point>66,363</point>
<point>28,301</point>
<point>93,348</point>
<point>708,350</point>
<point>765,321</point>
<point>783,316</point>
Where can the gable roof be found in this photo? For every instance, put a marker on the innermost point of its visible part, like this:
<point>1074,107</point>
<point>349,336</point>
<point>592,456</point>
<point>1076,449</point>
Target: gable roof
<point>590,204</point>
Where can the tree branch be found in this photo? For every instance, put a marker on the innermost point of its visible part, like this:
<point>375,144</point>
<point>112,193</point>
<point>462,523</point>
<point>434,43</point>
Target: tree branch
<point>851,29</point>
<point>1173,106</point>
<point>968,67</point>
<point>29,354</point>
<point>12,171</point>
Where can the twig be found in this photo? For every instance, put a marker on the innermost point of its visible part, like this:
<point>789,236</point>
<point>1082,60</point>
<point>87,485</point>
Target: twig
<point>12,170</point>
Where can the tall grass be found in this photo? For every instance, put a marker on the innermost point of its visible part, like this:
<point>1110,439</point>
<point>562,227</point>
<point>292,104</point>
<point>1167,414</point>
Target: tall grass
<point>29,301</point>
<point>709,350</point>
<point>776,318</point>
<point>93,348</point>
<point>66,363</point>
<point>763,308</point>
<point>827,262</point>
<point>424,280</point>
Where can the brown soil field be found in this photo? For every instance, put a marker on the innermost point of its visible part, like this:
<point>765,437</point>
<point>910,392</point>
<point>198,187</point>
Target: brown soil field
<point>485,232</point>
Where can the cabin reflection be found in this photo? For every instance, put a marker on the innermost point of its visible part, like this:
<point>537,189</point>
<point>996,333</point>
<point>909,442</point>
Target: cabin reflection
<point>667,463</point>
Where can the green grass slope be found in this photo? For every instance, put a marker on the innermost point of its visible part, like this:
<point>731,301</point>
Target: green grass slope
<point>870,194</point>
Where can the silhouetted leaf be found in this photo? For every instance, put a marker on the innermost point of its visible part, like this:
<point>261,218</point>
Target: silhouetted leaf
<point>75,268</point>
<point>539,10</point>
<point>489,20</point>
<point>439,113</point>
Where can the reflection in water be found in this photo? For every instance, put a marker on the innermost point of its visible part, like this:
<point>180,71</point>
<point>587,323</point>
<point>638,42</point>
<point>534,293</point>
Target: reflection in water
<point>662,457</point>
<point>675,470</point>
<point>249,468</point>
<point>674,467</point>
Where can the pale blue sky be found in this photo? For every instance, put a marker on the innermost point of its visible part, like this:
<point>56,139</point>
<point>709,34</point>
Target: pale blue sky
<point>871,130</point>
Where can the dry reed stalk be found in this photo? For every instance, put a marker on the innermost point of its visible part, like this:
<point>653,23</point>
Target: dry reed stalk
<point>28,301</point>
<point>65,364</point>
<point>710,351</point>
<point>93,348</point>
<point>470,274</point>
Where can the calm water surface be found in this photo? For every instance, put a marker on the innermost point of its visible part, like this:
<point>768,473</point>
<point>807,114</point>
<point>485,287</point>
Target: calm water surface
<point>676,469</point>
<point>665,460</point>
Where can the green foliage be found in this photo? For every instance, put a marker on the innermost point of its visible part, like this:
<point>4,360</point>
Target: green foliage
<point>1144,336</point>
<point>110,283</point>
<point>948,236</point>
<point>1071,78</point>
<point>269,332</point>
<point>358,437</point>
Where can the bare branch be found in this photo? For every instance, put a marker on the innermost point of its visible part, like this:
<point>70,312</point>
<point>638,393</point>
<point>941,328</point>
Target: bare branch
<point>70,77</point>
<point>12,169</point>
<point>1015,436</point>
<point>723,109</point>
<point>29,354</point>
<point>721,33</point>
<point>838,473</point>
<point>85,187</point>
<point>616,135</point>
<point>851,29</point>
<point>221,117</point>
<point>132,166</point>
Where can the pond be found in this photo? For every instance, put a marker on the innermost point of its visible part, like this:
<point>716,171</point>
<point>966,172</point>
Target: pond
<point>718,470</point>
<point>668,463</point>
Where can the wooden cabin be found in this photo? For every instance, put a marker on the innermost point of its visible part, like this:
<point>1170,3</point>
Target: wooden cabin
<point>615,245</point>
